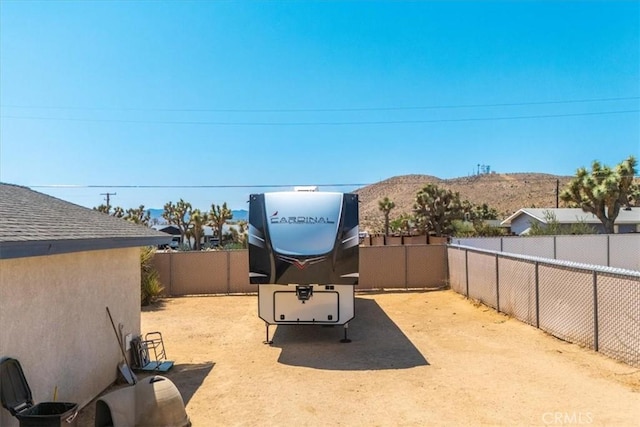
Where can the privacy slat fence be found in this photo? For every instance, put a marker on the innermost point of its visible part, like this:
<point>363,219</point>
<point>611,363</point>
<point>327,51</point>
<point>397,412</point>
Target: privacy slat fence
<point>227,272</point>
<point>611,250</point>
<point>593,306</point>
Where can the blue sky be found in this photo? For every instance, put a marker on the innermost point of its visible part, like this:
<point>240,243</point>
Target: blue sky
<point>135,98</point>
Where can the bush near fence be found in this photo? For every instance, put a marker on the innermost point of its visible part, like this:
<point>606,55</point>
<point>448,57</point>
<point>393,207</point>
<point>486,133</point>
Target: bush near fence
<point>593,306</point>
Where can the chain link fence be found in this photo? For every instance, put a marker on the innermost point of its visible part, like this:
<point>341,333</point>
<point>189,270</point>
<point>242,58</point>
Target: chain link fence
<point>593,306</point>
<point>611,250</point>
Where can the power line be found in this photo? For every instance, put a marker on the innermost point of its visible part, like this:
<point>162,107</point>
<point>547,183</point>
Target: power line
<point>231,186</point>
<point>318,110</point>
<point>108,198</point>
<point>74,186</point>
<point>346,123</point>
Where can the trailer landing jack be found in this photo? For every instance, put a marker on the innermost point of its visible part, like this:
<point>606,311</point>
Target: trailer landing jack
<point>267,341</point>
<point>345,339</point>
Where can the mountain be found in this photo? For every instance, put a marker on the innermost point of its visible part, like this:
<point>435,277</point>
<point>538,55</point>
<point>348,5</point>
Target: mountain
<point>504,192</point>
<point>156,214</point>
<point>238,214</point>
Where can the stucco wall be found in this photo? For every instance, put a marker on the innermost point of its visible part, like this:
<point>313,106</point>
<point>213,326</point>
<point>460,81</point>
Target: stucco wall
<point>54,321</point>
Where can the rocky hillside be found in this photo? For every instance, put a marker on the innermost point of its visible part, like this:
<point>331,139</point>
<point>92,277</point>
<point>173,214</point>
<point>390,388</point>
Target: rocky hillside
<point>504,192</point>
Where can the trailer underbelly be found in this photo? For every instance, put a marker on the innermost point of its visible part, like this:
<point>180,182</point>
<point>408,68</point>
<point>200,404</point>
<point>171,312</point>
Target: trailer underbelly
<point>326,304</point>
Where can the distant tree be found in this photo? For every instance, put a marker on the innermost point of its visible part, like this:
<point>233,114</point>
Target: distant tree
<point>436,208</point>
<point>197,221</point>
<point>484,212</point>
<point>102,208</point>
<point>581,227</point>
<point>482,229</point>
<point>218,216</point>
<point>385,205</point>
<point>242,226</point>
<point>118,212</point>
<point>138,215</point>
<point>462,228</point>
<point>242,233</point>
<point>395,226</point>
<point>402,224</point>
<point>475,221</point>
<point>179,214</point>
<point>552,227</point>
<point>603,191</point>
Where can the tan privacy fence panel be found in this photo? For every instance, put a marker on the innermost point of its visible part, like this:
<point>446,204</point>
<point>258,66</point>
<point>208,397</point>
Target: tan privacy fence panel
<point>594,306</point>
<point>227,272</point>
<point>239,272</point>
<point>382,267</point>
<point>426,266</point>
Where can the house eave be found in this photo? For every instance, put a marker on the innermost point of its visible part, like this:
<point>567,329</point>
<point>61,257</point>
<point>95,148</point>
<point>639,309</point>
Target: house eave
<point>22,249</point>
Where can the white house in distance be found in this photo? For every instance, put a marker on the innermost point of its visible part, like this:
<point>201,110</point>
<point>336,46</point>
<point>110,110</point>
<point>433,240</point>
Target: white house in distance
<point>61,265</point>
<point>628,221</point>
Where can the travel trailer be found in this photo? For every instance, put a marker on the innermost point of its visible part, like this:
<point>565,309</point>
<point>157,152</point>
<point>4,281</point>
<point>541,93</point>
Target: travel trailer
<point>303,256</point>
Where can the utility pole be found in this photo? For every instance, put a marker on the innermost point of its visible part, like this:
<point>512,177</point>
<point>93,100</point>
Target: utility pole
<point>108,194</point>
<point>557,193</point>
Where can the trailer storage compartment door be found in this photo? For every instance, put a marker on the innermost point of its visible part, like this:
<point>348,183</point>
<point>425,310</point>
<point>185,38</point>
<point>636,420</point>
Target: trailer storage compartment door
<point>322,307</point>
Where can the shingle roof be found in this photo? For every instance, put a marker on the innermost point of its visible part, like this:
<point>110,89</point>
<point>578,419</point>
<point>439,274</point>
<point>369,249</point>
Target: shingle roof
<point>575,215</point>
<point>33,224</point>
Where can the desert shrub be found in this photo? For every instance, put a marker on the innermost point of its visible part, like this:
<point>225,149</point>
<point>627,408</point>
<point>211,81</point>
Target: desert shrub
<point>475,229</point>
<point>462,228</point>
<point>486,230</point>
<point>150,286</point>
<point>581,227</point>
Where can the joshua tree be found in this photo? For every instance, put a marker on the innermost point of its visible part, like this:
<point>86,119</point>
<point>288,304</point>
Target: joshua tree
<point>178,214</point>
<point>385,205</point>
<point>436,208</point>
<point>102,208</point>
<point>603,191</point>
<point>118,212</point>
<point>196,223</point>
<point>218,216</point>
<point>402,224</point>
<point>138,215</point>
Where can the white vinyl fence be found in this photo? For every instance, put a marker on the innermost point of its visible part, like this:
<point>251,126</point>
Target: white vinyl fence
<point>611,250</point>
<point>593,306</point>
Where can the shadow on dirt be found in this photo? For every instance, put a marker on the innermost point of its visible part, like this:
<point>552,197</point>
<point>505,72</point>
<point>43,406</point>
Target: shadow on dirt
<point>376,343</point>
<point>157,305</point>
<point>188,377</point>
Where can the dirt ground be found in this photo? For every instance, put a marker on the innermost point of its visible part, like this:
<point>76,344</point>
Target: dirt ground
<point>416,358</point>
